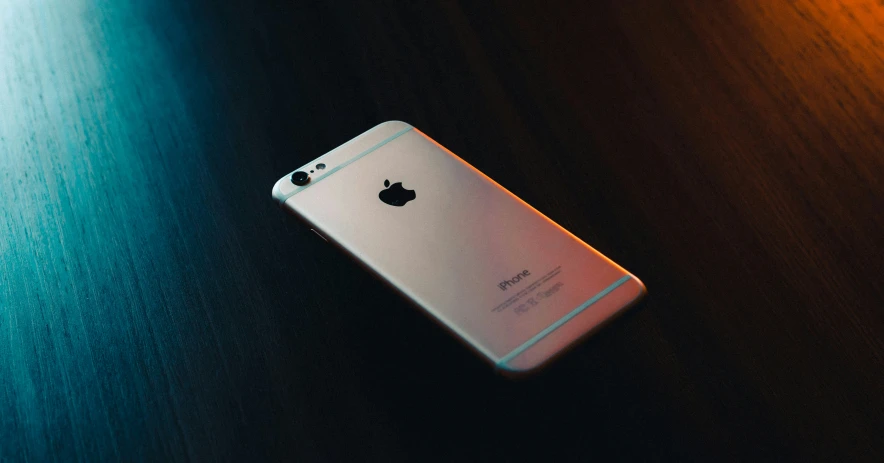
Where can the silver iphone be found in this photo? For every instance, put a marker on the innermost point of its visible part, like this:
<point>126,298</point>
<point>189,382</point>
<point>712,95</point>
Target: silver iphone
<point>507,280</point>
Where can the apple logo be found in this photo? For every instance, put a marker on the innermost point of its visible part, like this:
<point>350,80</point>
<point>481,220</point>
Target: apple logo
<point>396,194</point>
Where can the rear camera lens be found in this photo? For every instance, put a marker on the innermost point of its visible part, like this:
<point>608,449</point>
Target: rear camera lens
<point>300,178</point>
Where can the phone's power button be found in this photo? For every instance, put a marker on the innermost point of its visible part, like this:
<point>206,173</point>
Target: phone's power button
<point>319,235</point>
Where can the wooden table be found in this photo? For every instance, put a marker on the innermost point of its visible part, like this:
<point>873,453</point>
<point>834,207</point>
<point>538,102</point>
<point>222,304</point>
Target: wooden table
<point>156,305</point>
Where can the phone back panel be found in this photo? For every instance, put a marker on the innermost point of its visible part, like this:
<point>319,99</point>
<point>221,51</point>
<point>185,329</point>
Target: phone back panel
<point>477,258</point>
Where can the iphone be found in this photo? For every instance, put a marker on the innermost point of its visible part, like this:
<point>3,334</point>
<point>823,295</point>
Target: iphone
<point>508,281</point>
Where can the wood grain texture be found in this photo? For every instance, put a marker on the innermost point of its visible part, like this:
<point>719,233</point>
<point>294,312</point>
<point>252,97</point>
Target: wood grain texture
<point>156,305</point>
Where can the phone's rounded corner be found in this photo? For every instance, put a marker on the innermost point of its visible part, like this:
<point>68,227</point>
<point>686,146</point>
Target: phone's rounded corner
<point>509,371</point>
<point>278,194</point>
<point>394,125</point>
<point>640,291</point>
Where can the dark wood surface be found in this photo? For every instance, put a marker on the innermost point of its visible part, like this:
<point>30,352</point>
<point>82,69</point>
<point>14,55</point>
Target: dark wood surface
<point>156,305</point>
